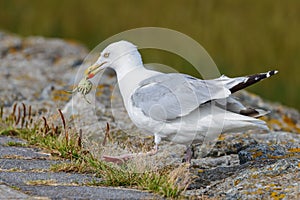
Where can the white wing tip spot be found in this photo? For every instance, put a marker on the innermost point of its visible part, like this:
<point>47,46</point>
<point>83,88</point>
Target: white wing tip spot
<point>271,73</point>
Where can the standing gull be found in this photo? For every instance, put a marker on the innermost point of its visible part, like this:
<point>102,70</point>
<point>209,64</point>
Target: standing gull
<point>177,107</point>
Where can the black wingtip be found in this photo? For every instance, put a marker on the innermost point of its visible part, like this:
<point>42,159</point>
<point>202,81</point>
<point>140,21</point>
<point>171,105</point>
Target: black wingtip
<point>252,79</point>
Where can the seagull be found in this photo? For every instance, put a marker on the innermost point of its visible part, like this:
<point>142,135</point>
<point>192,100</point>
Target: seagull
<point>177,107</point>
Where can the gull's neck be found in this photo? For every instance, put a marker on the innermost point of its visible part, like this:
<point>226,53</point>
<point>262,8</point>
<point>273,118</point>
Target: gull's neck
<point>130,72</point>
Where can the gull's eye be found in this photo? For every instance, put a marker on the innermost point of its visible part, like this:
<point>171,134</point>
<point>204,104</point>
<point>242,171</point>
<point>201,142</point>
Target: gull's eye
<point>106,55</point>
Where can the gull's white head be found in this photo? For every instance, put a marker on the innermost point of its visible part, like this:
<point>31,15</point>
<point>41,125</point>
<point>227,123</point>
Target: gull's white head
<point>114,56</point>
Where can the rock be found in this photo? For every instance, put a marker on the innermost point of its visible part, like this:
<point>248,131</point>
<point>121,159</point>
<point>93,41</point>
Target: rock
<point>30,65</point>
<point>277,137</point>
<point>273,145</point>
<point>9,193</point>
<point>227,144</point>
<point>273,180</point>
<point>213,162</point>
<point>260,152</point>
<point>280,118</point>
<point>255,180</point>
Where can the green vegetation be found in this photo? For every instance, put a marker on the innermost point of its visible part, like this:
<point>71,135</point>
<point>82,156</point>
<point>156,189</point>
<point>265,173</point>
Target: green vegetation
<point>15,187</point>
<point>242,37</point>
<point>16,144</point>
<point>64,142</point>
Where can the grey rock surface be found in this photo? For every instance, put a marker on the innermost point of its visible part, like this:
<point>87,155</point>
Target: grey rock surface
<point>7,192</point>
<point>73,192</point>
<point>26,165</point>
<point>25,153</point>
<point>37,70</point>
<point>58,178</point>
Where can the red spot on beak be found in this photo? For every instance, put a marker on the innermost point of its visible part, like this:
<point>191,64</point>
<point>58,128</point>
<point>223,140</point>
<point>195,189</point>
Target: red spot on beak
<point>91,76</point>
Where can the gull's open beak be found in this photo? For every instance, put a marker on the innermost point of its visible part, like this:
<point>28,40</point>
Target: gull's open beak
<point>91,71</point>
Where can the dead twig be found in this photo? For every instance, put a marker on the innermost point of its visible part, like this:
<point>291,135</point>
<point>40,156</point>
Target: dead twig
<point>107,135</point>
<point>64,125</point>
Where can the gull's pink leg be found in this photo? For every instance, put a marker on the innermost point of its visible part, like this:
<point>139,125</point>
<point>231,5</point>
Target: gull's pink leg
<point>188,155</point>
<point>123,158</point>
<point>118,159</point>
<point>153,151</point>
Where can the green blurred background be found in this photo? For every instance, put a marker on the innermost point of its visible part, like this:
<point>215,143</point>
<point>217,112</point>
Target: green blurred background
<point>242,36</point>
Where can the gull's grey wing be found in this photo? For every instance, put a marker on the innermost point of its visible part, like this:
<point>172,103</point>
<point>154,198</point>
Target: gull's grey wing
<point>168,96</point>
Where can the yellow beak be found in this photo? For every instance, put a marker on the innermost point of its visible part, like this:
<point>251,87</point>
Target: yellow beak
<point>91,71</point>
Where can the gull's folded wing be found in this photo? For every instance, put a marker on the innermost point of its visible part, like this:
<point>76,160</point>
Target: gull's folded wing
<point>168,96</point>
